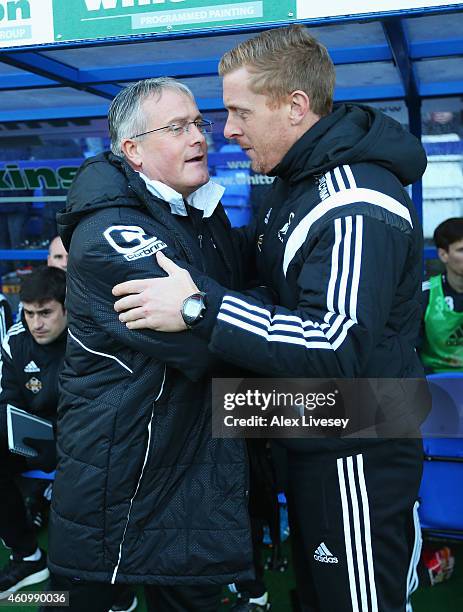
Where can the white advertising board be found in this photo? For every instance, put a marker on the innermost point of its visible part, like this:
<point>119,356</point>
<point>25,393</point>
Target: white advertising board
<point>308,9</point>
<point>28,22</point>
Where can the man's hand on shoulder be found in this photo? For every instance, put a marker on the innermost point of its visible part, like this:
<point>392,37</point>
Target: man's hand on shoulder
<point>155,303</point>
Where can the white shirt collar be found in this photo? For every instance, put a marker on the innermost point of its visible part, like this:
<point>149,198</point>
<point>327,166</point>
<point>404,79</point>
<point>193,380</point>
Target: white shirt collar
<point>205,198</point>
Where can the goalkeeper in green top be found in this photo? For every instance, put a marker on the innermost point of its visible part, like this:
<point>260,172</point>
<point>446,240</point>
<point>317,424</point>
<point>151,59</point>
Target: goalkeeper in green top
<point>442,345</point>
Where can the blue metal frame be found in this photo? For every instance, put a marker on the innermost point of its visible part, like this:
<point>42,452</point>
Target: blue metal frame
<point>445,88</point>
<point>396,36</point>
<point>59,112</point>
<point>48,72</point>
<point>57,71</point>
<point>25,81</point>
<point>45,72</point>
<point>209,66</point>
<point>343,94</point>
<point>394,31</point>
<point>23,254</point>
<point>66,75</point>
<point>194,68</point>
<point>63,74</point>
<point>369,94</point>
<point>436,48</point>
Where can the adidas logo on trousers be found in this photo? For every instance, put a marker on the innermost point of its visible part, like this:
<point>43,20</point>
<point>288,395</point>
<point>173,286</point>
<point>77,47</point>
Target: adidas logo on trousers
<point>323,555</point>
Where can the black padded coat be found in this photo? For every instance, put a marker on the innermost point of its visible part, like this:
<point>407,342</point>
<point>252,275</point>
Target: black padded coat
<point>143,493</point>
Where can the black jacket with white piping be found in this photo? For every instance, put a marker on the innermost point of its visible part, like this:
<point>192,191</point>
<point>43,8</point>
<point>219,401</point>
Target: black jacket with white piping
<point>339,241</point>
<point>143,493</point>
<point>29,373</point>
<point>6,317</point>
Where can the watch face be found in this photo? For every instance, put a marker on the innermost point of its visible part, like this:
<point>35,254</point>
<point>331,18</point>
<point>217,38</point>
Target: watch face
<point>192,307</point>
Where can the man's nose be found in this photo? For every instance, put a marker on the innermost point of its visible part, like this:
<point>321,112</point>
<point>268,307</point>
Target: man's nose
<point>231,130</point>
<point>37,322</point>
<point>196,134</point>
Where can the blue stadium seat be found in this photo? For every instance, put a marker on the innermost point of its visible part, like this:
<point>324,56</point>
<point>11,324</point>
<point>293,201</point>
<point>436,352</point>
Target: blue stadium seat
<point>441,493</point>
<point>39,474</point>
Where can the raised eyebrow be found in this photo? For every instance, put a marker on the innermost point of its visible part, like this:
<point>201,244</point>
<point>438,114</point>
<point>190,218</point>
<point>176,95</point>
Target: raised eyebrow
<point>176,120</point>
<point>238,109</point>
<point>184,119</point>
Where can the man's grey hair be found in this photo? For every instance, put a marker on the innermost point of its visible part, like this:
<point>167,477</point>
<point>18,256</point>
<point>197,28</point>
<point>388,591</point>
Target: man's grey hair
<point>126,117</point>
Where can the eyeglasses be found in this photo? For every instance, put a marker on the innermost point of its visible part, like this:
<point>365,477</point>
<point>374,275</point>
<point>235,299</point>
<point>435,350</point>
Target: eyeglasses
<point>204,126</point>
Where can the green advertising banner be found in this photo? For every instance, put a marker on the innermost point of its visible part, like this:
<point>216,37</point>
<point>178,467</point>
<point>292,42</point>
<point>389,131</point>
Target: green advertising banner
<point>38,22</point>
<point>90,19</point>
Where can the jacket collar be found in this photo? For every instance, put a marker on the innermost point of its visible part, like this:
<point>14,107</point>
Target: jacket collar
<point>206,198</point>
<point>298,158</point>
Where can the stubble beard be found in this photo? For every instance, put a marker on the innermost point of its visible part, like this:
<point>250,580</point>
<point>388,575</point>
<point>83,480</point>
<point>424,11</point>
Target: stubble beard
<point>258,165</point>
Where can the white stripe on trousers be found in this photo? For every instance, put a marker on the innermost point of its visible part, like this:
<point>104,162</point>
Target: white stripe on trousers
<point>357,514</point>
<point>412,576</point>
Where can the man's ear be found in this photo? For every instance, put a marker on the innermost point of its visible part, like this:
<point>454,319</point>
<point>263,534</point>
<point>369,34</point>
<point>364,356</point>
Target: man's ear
<point>443,255</point>
<point>299,106</point>
<point>130,149</point>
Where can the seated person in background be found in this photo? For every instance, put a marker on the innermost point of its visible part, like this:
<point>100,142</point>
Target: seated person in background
<point>32,357</point>
<point>57,254</point>
<point>442,344</point>
<point>6,317</point>
<point>57,258</point>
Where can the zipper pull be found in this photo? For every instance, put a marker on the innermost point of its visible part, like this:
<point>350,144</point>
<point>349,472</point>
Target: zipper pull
<point>200,238</point>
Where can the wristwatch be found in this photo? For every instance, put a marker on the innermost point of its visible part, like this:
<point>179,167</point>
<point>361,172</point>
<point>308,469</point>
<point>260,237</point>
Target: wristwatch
<point>193,308</point>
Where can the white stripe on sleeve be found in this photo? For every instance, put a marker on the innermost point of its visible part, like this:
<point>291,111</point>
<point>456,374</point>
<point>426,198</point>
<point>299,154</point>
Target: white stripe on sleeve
<point>338,200</point>
<point>343,287</point>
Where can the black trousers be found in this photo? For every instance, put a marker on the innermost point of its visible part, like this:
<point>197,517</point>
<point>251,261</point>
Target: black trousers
<point>354,527</point>
<point>98,597</point>
<point>256,587</point>
<point>14,528</point>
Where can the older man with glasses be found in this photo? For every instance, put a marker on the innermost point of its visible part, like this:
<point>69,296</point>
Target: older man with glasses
<point>143,494</point>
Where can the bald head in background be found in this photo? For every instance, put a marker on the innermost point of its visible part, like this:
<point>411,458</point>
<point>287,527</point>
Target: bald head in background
<point>57,254</point>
